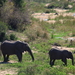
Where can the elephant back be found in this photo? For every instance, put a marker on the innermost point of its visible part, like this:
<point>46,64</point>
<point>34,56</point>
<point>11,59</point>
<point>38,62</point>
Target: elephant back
<point>21,46</point>
<point>7,47</point>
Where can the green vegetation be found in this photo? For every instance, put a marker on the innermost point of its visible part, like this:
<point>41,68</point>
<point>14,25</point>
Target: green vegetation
<point>17,23</point>
<point>16,18</point>
<point>3,29</point>
<point>40,66</point>
<point>13,37</point>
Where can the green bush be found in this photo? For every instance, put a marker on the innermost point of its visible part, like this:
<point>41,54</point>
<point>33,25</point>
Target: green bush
<point>30,70</point>
<point>3,30</point>
<point>3,27</point>
<point>18,3</point>
<point>47,11</point>
<point>16,18</point>
<point>2,2</point>
<point>52,5</point>
<point>13,37</point>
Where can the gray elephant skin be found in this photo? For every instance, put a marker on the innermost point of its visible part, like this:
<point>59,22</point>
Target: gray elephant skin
<point>16,47</point>
<point>56,54</point>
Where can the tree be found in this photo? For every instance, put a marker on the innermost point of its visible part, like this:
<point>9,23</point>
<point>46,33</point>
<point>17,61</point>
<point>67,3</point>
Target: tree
<point>3,29</point>
<point>1,2</point>
<point>18,3</point>
<point>16,17</point>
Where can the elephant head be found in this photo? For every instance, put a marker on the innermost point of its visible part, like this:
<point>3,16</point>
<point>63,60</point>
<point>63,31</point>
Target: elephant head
<point>23,46</point>
<point>27,48</point>
<point>71,57</point>
<point>68,54</point>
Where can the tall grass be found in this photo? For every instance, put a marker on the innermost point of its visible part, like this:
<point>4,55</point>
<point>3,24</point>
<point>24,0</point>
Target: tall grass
<point>41,64</point>
<point>64,17</point>
<point>39,35</point>
<point>36,31</point>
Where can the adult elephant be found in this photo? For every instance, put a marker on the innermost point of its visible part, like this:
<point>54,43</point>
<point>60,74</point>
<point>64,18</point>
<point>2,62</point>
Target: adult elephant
<point>60,54</point>
<point>16,47</point>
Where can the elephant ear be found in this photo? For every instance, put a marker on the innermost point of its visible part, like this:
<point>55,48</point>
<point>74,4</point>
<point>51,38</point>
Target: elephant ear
<point>66,53</point>
<point>25,46</point>
<point>19,46</point>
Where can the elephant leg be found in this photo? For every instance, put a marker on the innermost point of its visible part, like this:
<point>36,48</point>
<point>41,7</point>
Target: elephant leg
<point>4,56</point>
<point>53,62</point>
<point>65,61</point>
<point>7,59</point>
<point>19,55</point>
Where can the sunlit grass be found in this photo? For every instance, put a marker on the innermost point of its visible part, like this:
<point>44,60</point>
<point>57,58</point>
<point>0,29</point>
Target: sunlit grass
<point>41,64</point>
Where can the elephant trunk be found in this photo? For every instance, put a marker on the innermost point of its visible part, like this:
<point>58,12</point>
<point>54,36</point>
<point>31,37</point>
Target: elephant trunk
<point>72,61</point>
<point>30,52</point>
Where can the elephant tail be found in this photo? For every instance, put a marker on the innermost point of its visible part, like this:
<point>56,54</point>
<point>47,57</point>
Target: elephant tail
<point>0,50</point>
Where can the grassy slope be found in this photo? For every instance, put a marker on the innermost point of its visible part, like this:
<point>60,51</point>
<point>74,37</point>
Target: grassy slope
<point>41,46</point>
<point>41,64</point>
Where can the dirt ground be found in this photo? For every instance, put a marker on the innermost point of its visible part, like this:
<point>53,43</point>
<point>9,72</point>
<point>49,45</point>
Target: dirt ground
<point>64,48</point>
<point>48,17</point>
<point>12,71</point>
<point>45,17</point>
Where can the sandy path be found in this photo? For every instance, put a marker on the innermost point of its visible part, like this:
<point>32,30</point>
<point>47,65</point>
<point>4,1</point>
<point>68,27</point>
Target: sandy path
<point>12,71</point>
<point>48,17</point>
<point>63,48</point>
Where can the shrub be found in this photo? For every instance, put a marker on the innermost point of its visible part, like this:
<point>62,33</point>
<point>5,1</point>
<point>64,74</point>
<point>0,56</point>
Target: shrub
<point>13,37</point>
<point>47,11</point>
<point>18,3</point>
<point>16,18</point>
<point>2,36</point>
<point>2,2</point>
<point>50,11</point>
<point>30,70</point>
<point>3,29</point>
<point>51,6</point>
<point>35,31</point>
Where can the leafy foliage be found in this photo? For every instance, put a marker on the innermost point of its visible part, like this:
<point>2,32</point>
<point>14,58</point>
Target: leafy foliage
<point>39,34</point>
<point>3,27</point>
<point>16,18</point>
<point>13,37</point>
<point>19,3</point>
<point>2,2</point>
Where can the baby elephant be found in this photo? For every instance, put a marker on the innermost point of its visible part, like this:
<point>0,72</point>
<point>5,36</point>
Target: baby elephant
<point>60,54</point>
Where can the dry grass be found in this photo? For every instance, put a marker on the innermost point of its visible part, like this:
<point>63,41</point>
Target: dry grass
<point>49,17</point>
<point>36,31</point>
<point>12,71</point>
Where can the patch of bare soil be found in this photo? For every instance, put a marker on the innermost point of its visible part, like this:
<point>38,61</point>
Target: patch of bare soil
<point>21,36</point>
<point>11,61</point>
<point>60,10</point>
<point>34,51</point>
<point>44,16</point>
<point>12,71</point>
<point>48,17</point>
<point>63,48</point>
